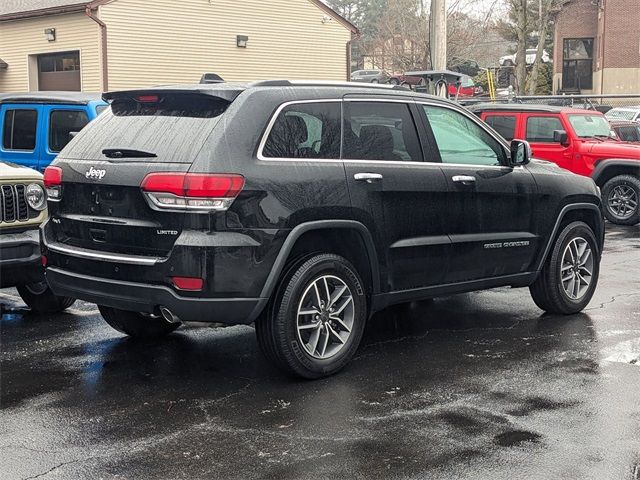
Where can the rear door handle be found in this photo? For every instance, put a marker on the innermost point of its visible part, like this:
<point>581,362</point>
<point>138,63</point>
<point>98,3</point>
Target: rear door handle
<point>464,179</point>
<point>368,177</point>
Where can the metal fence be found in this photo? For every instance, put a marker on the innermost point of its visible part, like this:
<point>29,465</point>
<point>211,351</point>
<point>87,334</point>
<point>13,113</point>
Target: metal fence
<point>602,103</point>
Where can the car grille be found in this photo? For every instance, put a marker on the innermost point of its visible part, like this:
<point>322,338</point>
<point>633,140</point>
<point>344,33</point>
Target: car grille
<point>13,204</point>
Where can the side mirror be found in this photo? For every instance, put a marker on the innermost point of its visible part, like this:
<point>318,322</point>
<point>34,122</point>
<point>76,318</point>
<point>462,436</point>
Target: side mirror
<point>520,153</point>
<point>561,137</point>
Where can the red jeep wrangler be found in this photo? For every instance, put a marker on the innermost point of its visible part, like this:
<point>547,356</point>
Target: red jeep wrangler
<point>581,141</point>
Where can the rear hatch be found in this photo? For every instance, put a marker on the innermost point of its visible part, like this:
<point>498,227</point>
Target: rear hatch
<point>102,206</point>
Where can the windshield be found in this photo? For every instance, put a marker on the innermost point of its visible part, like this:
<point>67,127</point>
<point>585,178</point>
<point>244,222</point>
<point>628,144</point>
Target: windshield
<point>587,126</point>
<point>467,82</point>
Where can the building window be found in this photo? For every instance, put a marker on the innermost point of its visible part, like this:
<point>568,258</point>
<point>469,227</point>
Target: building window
<point>577,67</point>
<point>61,62</point>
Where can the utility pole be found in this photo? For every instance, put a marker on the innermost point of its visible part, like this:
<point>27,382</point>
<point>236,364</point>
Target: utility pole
<point>438,34</point>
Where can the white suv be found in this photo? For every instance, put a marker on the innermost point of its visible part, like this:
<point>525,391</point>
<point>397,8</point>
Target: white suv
<point>510,60</point>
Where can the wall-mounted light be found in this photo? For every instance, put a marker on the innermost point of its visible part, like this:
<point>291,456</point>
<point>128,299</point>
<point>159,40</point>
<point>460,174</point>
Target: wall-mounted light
<point>327,19</point>
<point>50,33</point>
<point>242,41</point>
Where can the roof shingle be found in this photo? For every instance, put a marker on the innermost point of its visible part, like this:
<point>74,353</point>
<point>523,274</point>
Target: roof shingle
<point>8,7</point>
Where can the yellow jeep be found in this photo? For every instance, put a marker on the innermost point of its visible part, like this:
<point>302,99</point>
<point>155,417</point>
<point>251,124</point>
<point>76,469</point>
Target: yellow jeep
<point>23,207</point>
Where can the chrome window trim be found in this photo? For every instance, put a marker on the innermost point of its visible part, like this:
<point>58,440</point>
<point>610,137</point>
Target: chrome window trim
<point>406,100</point>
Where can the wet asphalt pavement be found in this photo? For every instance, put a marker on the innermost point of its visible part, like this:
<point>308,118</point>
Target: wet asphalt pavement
<point>478,386</point>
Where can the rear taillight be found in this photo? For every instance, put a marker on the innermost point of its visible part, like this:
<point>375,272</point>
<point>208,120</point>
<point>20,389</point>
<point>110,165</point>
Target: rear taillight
<point>192,191</point>
<point>53,183</point>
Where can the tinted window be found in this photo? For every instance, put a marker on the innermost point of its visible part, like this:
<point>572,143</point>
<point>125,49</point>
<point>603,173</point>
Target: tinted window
<point>310,130</point>
<point>380,131</point>
<point>174,126</point>
<point>19,131</point>
<point>505,125</point>
<point>629,134</point>
<point>540,129</point>
<point>63,126</point>
<point>461,140</point>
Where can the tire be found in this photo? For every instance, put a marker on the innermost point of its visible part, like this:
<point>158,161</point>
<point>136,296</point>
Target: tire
<point>137,325</point>
<point>375,81</point>
<point>509,63</point>
<point>281,331</point>
<point>549,291</point>
<point>394,81</point>
<point>39,298</point>
<point>621,197</point>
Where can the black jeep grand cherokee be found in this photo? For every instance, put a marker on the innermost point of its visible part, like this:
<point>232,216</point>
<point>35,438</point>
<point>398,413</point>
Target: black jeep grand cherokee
<point>304,208</point>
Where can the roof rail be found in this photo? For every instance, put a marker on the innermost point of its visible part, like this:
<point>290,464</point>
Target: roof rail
<point>324,83</point>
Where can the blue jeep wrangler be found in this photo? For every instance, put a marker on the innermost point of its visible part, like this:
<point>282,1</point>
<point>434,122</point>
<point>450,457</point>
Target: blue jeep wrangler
<point>37,126</point>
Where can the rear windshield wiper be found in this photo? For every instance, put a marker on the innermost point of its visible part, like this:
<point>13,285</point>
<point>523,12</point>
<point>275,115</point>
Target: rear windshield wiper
<point>127,153</point>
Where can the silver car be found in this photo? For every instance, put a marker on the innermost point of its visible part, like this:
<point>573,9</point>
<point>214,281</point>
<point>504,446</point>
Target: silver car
<point>370,76</point>
<point>624,113</point>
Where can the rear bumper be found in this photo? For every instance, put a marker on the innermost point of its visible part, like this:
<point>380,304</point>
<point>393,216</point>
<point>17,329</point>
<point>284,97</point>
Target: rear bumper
<point>140,297</point>
<point>20,258</point>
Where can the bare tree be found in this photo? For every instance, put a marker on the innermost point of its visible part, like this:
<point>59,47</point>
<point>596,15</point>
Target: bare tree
<point>548,9</point>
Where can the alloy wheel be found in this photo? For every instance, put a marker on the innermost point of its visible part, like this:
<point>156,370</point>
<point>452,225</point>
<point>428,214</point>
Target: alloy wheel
<point>577,268</point>
<point>623,202</point>
<point>325,317</point>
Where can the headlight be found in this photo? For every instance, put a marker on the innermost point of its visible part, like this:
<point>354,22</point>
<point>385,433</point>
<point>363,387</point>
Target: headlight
<point>36,198</point>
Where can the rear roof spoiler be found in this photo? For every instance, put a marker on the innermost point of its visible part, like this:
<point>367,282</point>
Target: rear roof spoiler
<point>228,94</point>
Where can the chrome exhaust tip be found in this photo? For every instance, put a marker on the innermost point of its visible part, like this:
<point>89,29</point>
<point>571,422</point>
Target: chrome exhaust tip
<point>168,316</point>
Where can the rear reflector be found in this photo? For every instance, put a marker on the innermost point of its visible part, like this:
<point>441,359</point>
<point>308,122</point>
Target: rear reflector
<point>188,283</point>
<point>192,191</point>
<point>52,177</point>
<point>44,260</point>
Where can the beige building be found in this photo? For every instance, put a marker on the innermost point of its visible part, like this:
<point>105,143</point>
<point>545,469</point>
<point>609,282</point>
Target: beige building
<point>119,44</point>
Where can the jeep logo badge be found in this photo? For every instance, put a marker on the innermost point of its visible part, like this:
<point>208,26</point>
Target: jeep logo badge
<point>95,174</point>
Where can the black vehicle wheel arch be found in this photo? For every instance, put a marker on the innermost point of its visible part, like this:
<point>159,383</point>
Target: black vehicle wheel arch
<point>284,257</point>
<point>607,169</point>
<point>568,215</point>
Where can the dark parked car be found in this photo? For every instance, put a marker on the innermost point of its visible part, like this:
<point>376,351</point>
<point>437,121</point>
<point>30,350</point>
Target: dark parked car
<point>305,208</point>
<point>626,130</point>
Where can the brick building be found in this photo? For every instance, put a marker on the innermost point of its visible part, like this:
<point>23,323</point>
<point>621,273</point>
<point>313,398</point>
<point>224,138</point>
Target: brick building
<point>598,47</point>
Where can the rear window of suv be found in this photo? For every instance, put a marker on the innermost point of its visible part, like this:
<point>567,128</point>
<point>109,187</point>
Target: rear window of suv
<point>305,130</point>
<point>174,127</point>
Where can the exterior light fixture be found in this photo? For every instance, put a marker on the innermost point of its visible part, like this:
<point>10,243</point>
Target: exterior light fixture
<point>50,33</point>
<point>242,41</point>
<point>327,19</point>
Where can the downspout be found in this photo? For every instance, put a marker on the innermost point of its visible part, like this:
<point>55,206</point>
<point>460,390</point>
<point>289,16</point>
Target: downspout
<point>103,47</point>
<point>354,37</point>
<point>604,28</point>
<point>349,59</point>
